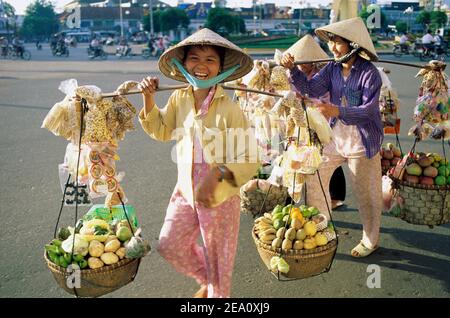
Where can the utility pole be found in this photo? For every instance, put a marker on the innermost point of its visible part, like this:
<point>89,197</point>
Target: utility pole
<point>121,20</point>
<point>150,11</point>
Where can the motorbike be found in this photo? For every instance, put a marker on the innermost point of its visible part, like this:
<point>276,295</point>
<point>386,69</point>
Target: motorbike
<point>124,51</point>
<point>146,53</point>
<point>94,52</point>
<point>431,52</point>
<point>60,50</point>
<point>400,49</point>
<point>13,53</point>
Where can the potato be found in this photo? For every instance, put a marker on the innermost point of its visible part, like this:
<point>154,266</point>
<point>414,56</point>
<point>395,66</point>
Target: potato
<point>96,248</point>
<point>109,258</point>
<point>121,252</point>
<point>94,262</point>
<point>112,246</point>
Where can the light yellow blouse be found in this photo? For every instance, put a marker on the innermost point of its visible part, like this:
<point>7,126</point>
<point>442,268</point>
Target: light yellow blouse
<point>225,134</point>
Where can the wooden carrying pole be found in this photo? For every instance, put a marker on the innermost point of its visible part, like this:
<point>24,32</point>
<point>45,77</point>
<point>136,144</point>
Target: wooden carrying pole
<point>172,87</point>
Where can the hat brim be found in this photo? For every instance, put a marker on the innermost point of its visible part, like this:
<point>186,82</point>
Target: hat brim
<point>233,56</point>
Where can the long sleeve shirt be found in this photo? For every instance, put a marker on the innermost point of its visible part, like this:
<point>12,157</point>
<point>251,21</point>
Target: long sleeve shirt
<point>223,132</point>
<point>361,91</point>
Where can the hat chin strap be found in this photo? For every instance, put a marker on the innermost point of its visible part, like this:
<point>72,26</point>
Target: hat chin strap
<point>349,55</point>
<point>204,83</point>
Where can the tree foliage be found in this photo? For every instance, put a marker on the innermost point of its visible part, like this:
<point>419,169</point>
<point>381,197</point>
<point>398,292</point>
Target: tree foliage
<point>166,20</point>
<point>40,19</point>
<point>401,26</point>
<point>9,9</point>
<point>424,18</point>
<point>222,21</point>
<point>438,19</point>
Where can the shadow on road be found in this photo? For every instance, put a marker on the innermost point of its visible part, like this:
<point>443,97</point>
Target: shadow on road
<point>404,260</point>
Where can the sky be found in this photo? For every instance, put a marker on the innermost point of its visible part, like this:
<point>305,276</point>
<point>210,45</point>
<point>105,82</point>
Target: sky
<point>20,5</point>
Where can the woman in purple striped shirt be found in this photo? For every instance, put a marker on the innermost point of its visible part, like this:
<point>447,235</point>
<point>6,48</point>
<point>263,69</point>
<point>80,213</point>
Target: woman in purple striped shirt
<point>354,116</point>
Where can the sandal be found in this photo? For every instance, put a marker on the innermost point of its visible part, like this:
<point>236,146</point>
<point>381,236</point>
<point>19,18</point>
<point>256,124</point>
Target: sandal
<point>362,251</point>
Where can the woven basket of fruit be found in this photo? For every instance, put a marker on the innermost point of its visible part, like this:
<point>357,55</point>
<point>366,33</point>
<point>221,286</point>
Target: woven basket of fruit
<point>96,282</point>
<point>97,256</point>
<point>423,204</point>
<point>305,247</point>
<point>423,184</point>
<point>302,263</point>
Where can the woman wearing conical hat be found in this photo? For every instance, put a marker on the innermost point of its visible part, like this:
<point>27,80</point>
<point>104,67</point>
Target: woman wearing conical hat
<point>211,166</point>
<point>307,49</point>
<point>354,115</point>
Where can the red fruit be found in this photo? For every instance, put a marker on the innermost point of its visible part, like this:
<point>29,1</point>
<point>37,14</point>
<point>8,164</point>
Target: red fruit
<point>385,163</point>
<point>426,180</point>
<point>411,179</point>
<point>388,154</point>
<point>395,161</point>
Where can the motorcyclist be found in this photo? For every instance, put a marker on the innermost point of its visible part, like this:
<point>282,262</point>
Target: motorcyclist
<point>404,42</point>
<point>4,46</point>
<point>53,42</point>
<point>61,45</point>
<point>95,46</point>
<point>124,48</point>
<point>428,41</point>
<point>18,46</point>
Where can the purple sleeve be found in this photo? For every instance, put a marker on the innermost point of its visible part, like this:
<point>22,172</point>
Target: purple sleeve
<point>317,86</point>
<point>369,110</point>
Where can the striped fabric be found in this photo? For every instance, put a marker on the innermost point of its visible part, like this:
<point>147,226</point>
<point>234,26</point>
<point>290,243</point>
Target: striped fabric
<point>361,90</point>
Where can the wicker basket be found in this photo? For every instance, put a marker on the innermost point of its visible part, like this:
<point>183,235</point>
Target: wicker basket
<point>302,263</point>
<point>424,204</point>
<point>252,201</point>
<point>97,282</point>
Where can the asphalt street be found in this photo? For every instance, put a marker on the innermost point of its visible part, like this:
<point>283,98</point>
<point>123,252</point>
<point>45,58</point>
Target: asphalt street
<point>414,260</point>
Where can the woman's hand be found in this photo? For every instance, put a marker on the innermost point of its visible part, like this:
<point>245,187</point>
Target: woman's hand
<point>204,193</point>
<point>148,87</point>
<point>287,61</point>
<point>328,110</point>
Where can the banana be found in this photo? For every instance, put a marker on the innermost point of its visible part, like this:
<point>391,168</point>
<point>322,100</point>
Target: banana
<point>268,216</point>
<point>269,231</point>
<point>267,238</point>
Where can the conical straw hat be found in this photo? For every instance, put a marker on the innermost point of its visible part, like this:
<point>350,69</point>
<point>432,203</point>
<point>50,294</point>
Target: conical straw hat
<point>307,49</point>
<point>233,55</point>
<point>353,30</point>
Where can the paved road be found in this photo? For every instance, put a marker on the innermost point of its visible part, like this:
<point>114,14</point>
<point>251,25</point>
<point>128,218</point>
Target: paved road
<point>414,260</point>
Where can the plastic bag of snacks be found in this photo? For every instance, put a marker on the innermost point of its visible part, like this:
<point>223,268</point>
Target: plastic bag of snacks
<point>432,105</point>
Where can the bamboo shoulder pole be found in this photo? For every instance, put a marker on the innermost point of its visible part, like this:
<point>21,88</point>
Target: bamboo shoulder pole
<point>172,87</point>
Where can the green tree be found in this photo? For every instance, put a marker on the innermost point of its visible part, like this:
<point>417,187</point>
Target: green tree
<point>401,26</point>
<point>9,10</point>
<point>424,18</point>
<point>438,19</point>
<point>40,20</point>
<point>222,20</point>
<point>167,19</point>
<point>156,21</point>
<point>172,18</point>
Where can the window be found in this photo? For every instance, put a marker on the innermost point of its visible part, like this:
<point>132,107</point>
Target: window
<point>98,23</point>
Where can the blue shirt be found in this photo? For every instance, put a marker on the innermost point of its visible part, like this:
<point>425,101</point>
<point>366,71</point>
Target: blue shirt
<point>361,90</point>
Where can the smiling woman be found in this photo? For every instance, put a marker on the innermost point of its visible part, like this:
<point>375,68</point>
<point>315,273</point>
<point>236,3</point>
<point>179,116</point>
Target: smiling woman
<point>206,198</point>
